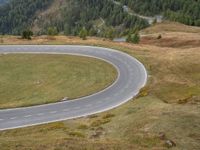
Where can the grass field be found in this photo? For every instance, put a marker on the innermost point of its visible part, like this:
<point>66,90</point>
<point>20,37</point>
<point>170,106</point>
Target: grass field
<point>168,108</point>
<point>30,79</point>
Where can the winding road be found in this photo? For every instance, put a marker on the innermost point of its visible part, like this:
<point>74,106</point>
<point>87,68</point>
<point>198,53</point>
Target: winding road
<point>132,76</point>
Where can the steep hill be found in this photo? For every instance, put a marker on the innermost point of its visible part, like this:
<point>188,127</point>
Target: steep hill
<point>67,16</point>
<point>105,18</point>
<point>17,15</point>
<point>184,11</point>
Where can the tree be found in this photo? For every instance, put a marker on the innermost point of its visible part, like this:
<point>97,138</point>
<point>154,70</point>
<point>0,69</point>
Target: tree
<point>83,34</point>
<point>27,34</point>
<point>52,31</point>
<point>67,29</point>
<point>110,34</point>
<point>128,39</point>
<point>92,32</point>
<point>133,38</point>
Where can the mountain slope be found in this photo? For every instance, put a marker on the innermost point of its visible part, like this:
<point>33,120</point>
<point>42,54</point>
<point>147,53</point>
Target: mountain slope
<point>17,15</point>
<point>68,16</point>
<point>99,17</point>
<point>184,11</point>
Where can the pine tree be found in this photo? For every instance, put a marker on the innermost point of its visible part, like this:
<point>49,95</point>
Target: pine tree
<point>135,38</point>
<point>52,31</point>
<point>27,34</point>
<point>128,39</point>
<point>83,34</point>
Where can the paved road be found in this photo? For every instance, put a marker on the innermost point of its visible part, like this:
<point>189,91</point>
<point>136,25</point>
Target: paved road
<point>159,18</point>
<point>132,77</point>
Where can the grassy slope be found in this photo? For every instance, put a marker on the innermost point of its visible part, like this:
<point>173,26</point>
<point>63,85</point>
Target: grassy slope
<point>174,35</point>
<point>36,79</point>
<point>170,103</point>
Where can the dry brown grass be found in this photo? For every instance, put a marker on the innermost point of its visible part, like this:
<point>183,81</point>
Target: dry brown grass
<point>171,27</point>
<point>174,35</point>
<point>174,40</point>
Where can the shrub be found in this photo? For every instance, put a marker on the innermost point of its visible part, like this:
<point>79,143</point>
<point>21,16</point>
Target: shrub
<point>83,34</point>
<point>27,34</point>
<point>159,36</point>
<point>133,38</point>
<point>52,31</point>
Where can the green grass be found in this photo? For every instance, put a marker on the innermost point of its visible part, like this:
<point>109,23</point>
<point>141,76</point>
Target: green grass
<point>31,79</point>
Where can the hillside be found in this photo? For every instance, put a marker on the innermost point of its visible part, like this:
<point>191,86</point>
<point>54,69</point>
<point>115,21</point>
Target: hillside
<point>67,17</point>
<point>104,18</point>
<point>184,11</point>
<point>18,15</point>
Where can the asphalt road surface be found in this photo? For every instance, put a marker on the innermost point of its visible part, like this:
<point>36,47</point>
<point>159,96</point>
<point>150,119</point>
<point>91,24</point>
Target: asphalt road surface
<point>132,76</point>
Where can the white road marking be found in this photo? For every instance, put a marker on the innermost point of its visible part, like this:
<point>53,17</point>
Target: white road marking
<point>27,116</point>
<point>65,110</point>
<point>40,114</point>
<point>1,119</point>
<point>13,118</point>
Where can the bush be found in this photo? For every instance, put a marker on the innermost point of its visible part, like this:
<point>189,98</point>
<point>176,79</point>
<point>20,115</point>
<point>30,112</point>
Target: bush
<point>159,36</point>
<point>143,92</point>
<point>110,34</point>
<point>52,31</point>
<point>83,34</point>
<point>27,34</point>
<point>133,38</point>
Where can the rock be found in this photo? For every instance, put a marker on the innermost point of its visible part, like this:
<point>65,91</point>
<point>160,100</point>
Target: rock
<point>65,99</point>
<point>170,143</point>
<point>97,134</point>
<point>162,136</point>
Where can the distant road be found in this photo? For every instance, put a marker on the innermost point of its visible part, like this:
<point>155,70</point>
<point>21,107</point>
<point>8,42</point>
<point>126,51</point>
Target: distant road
<point>159,18</point>
<point>132,76</point>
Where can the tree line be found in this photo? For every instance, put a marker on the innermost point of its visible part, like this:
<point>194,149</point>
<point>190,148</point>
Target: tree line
<point>184,11</point>
<point>19,15</point>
